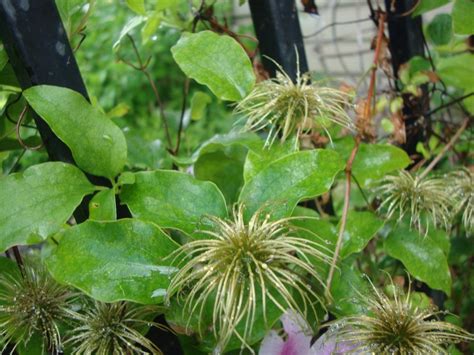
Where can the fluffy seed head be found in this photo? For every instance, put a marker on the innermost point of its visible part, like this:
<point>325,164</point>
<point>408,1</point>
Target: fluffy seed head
<point>394,325</point>
<point>112,329</point>
<point>242,266</point>
<point>289,108</point>
<point>462,187</point>
<point>31,302</point>
<point>404,194</point>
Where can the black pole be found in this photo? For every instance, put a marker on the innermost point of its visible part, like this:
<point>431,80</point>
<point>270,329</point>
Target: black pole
<point>39,51</point>
<point>278,31</point>
<point>407,41</point>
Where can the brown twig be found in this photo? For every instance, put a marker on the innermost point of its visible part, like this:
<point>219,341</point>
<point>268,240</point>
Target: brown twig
<point>350,161</point>
<point>196,19</point>
<point>445,149</point>
<point>378,46</point>
<point>143,67</point>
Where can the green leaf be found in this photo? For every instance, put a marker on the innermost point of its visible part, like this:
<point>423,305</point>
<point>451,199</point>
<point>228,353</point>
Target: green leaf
<point>440,29</point>
<point>258,159</point>
<point>422,257</point>
<point>225,169</point>
<point>463,14</point>
<point>453,71</point>
<point>199,102</point>
<point>36,203</point>
<point>347,289</point>
<point>129,26</point>
<point>283,183</point>
<point>113,261</point>
<point>441,239</point>
<point>427,5</point>
<point>360,228</point>
<point>152,23</point>
<point>218,62</point>
<point>310,226</point>
<point>102,207</point>
<point>221,142</point>
<point>165,4</point>
<point>97,144</point>
<point>373,161</point>
<point>137,6</point>
<point>173,200</point>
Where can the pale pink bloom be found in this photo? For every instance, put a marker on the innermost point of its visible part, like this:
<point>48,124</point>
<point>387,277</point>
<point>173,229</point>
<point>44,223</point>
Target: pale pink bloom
<point>298,339</point>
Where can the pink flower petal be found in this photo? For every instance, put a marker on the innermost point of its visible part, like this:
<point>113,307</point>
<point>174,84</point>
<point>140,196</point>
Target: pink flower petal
<point>272,344</point>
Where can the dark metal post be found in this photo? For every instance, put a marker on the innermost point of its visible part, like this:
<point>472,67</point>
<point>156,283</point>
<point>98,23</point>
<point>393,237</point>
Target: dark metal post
<point>278,31</point>
<point>407,41</point>
<point>38,49</point>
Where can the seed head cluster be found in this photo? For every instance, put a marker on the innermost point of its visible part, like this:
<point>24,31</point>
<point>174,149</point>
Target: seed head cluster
<point>31,302</point>
<point>242,266</point>
<point>395,325</point>
<point>112,329</point>
<point>288,108</point>
<point>461,187</point>
<point>423,199</point>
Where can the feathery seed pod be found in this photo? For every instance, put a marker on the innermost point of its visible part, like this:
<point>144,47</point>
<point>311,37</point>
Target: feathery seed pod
<point>462,187</point>
<point>405,194</point>
<point>32,302</point>
<point>395,325</point>
<point>289,108</point>
<point>242,266</point>
<point>112,329</point>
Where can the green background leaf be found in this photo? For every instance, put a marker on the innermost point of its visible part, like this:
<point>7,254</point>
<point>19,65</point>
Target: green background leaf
<point>463,14</point>
<point>137,6</point>
<point>113,261</point>
<point>36,203</point>
<point>199,102</point>
<point>282,184</point>
<point>440,29</point>
<point>221,142</point>
<point>216,61</point>
<point>427,5</point>
<point>454,71</point>
<point>97,144</point>
<point>422,257</point>
<point>173,200</point>
<point>225,169</point>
